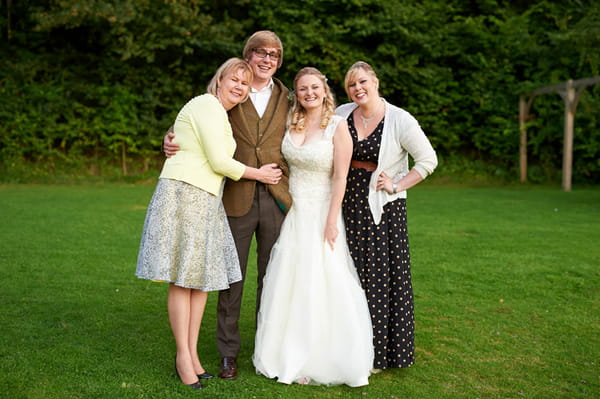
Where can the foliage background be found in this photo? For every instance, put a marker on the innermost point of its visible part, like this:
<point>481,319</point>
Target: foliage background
<point>88,87</point>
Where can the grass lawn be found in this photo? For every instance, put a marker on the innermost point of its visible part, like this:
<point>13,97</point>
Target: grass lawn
<point>506,283</point>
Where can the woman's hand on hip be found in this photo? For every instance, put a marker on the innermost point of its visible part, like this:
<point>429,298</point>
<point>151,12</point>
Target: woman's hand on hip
<point>384,182</point>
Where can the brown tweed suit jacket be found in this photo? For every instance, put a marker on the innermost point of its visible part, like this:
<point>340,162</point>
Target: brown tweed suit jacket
<point>258,143</point>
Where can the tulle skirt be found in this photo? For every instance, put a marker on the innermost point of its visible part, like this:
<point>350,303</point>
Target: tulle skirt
<point>314,323</point>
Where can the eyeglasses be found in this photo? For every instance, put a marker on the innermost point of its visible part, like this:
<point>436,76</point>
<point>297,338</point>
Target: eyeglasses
<point>262,53</point>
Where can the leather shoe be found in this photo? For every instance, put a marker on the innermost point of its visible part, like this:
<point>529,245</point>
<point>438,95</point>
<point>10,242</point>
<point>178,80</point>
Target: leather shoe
<point>228,369</point>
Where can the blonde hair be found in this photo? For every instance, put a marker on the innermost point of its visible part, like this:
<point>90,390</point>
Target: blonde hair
<point>354,70</point>
<point>298,113</point>
<point>263,38</point>
<point>232,64</point>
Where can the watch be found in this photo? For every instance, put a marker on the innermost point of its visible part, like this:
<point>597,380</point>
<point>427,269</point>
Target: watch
<point>394,188</point>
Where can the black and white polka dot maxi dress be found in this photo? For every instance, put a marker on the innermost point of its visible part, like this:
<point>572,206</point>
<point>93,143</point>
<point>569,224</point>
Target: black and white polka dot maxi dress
<point>382,259</point>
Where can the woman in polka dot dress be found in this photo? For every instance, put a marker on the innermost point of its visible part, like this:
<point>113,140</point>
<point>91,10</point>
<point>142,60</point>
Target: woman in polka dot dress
<point>374,209</point>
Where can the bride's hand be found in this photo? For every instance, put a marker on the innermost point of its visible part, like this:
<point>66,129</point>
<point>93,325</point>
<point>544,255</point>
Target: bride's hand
<point>331,233</point>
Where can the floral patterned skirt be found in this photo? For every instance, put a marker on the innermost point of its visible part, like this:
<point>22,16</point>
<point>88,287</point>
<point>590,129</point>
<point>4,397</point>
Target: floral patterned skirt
<point>186,239</point>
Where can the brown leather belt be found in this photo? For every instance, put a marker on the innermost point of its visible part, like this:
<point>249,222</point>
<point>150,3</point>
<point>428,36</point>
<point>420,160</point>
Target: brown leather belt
<point>368,166</point>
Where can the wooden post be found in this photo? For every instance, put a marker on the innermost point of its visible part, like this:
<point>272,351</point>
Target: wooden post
<point>124,158</point>
<point>569,97</point>
<point>523,142</point>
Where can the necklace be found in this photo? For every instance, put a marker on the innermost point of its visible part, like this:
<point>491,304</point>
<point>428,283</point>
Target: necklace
<point>366,120</point>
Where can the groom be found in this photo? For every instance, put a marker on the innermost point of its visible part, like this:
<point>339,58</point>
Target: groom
<point>253,208</point>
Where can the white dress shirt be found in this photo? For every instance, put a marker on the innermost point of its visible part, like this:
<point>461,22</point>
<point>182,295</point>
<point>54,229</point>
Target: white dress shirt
<point>260,98</point>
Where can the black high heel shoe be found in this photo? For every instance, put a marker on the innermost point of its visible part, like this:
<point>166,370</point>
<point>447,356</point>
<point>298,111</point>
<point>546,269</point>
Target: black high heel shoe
<point>195,385</point>
<point>205,376</point>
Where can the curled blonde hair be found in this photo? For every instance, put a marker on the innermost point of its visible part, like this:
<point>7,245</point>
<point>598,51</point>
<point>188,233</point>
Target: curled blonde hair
<point>354,70</point>
<point>232,64</point>
<point>298,113</point>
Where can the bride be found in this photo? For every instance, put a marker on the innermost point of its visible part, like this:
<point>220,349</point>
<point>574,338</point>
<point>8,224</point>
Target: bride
<point>314,324</point>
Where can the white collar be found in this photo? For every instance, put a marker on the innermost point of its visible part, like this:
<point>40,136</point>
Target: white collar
<point>269,86</point>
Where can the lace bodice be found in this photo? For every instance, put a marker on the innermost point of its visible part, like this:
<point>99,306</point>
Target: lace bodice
<point>311,165</point>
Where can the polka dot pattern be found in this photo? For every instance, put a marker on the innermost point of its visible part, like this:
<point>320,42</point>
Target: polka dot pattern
<point>382,259</point>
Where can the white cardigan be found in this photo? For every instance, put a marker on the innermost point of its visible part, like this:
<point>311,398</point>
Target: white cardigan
<point>402,136</point>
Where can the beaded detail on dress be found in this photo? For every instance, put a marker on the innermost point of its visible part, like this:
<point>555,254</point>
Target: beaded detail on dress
<point>310,166</point>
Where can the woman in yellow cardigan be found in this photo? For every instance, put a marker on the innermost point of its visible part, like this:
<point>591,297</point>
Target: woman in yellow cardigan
<point>186,240</point>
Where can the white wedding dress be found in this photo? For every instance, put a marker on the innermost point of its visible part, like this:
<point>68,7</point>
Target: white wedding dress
<point>314,324</point>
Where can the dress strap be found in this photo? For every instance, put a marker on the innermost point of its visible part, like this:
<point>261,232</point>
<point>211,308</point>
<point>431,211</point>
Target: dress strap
<point>330,129</point>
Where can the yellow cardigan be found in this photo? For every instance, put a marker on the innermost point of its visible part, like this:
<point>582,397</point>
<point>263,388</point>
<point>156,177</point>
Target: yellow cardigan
<point>206,143</point>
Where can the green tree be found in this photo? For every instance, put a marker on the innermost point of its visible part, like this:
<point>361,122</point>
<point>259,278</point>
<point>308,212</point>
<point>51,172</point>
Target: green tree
<point>100,81</point>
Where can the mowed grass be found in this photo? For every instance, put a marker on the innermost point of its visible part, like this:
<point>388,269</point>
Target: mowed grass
<point>506,283</point>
